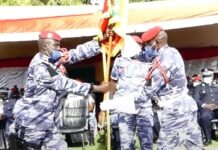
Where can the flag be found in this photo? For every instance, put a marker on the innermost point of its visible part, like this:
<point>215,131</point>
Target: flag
<point>114,13</point>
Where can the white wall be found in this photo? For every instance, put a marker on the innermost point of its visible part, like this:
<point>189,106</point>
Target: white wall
<point>13,76</point>
<point>17,75</point>
<point>194,66</point>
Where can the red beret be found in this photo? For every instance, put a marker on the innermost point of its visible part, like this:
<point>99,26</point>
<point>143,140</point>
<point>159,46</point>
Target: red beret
<point>137,39</point>
<point>196,77</point>
<point>151,34</point>
<point>50,35</point>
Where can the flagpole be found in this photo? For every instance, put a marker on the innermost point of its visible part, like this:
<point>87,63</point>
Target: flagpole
<point>104,58</point>
<point>115,15</point>
<point>108,96</point>
<point>106,72</point>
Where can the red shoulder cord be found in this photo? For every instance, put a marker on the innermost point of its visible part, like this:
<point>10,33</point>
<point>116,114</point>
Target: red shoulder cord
<point>156,64</point>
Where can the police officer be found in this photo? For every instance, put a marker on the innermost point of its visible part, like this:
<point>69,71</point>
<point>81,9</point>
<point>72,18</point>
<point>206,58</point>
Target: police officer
<point>168,82</point>
<point>128,73</point>
<point>8,111</point>
<point>37,115</point>
<point>9,102</point>
<point>3,116</point>
<point>15,93</point>
<point>194,81</point>
<point>206,95</point>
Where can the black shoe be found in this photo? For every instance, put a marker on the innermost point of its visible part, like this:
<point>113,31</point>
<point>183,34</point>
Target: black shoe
<point>92,143</point>
<point>207,142</point>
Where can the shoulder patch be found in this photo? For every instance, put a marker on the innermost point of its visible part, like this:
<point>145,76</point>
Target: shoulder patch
<point>52,71</point>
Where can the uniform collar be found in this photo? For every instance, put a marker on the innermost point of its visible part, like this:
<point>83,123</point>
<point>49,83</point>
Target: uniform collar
<point>43,58</point>
<point>161,50</point>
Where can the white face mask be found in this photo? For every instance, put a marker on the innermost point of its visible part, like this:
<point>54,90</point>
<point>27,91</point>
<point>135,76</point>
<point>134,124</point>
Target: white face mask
<point>196,83</point>
<point>208,80</point>
<point>131,48</point>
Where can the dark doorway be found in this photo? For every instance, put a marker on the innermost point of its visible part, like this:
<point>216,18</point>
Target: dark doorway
<point>85,74</point>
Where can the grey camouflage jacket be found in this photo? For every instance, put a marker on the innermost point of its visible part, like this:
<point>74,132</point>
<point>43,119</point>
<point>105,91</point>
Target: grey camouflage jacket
<point>41,105</point>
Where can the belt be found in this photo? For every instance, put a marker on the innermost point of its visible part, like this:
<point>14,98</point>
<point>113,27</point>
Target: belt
<point>169,102</point>
<point>22,141</point>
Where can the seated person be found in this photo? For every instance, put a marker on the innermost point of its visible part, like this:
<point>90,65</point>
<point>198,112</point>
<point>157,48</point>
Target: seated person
<point>15,92</point>
<point>194,81</point>
<point>206,95</point>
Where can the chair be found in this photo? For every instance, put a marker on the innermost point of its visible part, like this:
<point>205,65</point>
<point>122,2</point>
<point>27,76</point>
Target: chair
<point>214,127</point>
<point>75,116</point>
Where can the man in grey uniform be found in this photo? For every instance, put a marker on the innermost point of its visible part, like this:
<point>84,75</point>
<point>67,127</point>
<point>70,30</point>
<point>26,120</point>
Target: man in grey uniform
<point>168,86</point>
<point>129,74</point>
<point>37,116</point>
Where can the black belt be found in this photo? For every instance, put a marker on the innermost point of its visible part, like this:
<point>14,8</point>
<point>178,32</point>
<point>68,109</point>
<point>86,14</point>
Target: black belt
<point>23,142</point>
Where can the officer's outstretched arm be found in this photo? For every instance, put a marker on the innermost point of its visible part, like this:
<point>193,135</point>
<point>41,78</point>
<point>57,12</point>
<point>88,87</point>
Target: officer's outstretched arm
<point>84,51</point>
<point>50,78</point>
<point>149,90</point>
<point>90,48</point>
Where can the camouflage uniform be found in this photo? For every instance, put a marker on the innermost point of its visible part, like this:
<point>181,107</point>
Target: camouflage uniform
<point>114,118</point>
<point>130,75</point>
<point>92,120</point>
<point>38,113</point>
<point>179,110</point>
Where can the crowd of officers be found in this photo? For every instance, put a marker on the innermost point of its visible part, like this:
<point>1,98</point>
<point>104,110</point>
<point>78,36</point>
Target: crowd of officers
<point>8,98</point>
<point>204,89</point>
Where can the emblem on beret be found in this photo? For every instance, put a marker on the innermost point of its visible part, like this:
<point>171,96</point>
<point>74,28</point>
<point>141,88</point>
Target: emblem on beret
<point>49,35</point>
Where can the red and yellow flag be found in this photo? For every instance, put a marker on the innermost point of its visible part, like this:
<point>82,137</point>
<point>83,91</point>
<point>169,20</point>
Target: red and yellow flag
<point>115,14</point>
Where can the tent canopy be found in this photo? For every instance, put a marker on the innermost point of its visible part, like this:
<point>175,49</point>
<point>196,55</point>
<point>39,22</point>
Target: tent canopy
<point>189,23</point>
<point>78,21</point>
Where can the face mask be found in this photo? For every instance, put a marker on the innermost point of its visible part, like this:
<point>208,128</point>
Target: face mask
<point>149,53</point>
<point>131,48</point>
<point>55,56</point>
<point>208,80</point>
<point>196,83</point>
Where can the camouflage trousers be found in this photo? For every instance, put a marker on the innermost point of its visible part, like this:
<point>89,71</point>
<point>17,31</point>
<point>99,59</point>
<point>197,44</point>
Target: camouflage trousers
<point>92,121</point>
<point>179,130</point>
<point>114,119</point>
<point>47,140</point>
<point>128,123</point>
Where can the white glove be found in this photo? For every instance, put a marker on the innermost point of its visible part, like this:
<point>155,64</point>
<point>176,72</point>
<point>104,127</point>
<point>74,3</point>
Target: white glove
<point>124,104</point>
<point>107,105</point>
